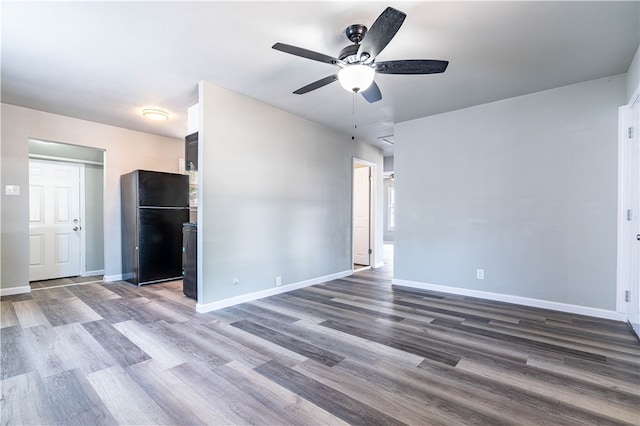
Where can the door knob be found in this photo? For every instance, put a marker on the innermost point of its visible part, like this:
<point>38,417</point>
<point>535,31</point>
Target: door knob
<point>638,237</point>
<point>75,228</point>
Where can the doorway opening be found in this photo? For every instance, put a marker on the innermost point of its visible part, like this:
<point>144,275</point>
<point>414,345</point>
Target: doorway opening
<point>66,213</point>
<point>363,229</point>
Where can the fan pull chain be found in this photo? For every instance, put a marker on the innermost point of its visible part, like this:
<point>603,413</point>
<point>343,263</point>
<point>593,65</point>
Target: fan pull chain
<point>354,111</point>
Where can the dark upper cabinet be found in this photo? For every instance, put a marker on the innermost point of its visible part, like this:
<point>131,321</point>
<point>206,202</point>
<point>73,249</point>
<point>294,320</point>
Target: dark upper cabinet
<point>191,152</point>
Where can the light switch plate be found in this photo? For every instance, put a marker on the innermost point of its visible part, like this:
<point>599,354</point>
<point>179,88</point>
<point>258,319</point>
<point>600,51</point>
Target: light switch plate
<point>12,190</point>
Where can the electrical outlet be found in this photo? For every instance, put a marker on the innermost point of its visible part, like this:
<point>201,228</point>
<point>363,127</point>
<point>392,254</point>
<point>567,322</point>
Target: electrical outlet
<point>236,281</point>
<point>12,190</point>
<point>278,281</point>
<point>480,274</point>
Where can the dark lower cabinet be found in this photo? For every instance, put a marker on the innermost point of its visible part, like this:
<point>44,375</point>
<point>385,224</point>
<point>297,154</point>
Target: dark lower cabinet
<point>189,260</point>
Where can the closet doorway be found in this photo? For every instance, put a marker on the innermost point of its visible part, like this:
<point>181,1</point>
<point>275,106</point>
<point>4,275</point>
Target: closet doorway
<point>66,211</point>
<point>363,209</point>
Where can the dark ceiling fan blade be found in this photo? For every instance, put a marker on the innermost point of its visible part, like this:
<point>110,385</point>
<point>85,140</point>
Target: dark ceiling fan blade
<point>411,66</point>
<point>316,84</point>
<point>372,94</point>
<point>380,33</point>
<point>304,53</point>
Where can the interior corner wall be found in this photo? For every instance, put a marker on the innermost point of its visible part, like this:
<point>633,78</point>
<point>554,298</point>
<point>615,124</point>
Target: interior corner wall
<point>126,150</point>
<point>275,197</point>
<point>388,233</point>
<point>524,188</point>
<point>633,76</point>
<point>388,164</point>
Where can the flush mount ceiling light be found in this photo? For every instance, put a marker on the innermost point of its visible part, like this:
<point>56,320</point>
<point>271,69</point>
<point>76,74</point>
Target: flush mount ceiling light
<point>155,114</point>
<point>356,78</point>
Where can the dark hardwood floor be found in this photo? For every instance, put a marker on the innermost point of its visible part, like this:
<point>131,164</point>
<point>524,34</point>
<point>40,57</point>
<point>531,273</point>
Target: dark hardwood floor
<point>354,350</point>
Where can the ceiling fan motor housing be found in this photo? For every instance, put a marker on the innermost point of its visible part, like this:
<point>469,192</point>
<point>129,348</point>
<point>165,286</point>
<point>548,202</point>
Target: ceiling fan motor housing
<point>349,54</point>
<point>355,33</point>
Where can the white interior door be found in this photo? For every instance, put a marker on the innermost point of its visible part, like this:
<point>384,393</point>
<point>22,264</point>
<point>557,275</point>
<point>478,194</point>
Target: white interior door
<point>361,215</point>
<point>633,237</point>
<point>54,220</point>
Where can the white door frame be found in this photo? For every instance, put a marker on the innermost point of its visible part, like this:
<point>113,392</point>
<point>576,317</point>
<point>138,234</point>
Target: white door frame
<point>372,209</point>
<point>624,256</point>
<point>81,200</point>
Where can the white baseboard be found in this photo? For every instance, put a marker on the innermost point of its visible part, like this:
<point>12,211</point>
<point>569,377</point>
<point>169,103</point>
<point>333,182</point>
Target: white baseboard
<point>92,273</point>
<point>518,300</point>
<point>112,278</point>
<point>379,264</point>
<point>243,298</point>
<point>15,290</point>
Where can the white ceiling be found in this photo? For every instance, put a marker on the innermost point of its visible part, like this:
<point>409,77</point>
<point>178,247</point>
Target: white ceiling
<point>105,61</point>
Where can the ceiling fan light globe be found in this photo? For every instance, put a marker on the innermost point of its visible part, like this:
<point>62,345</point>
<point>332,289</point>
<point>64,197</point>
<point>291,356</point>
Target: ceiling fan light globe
<point>356,78</point>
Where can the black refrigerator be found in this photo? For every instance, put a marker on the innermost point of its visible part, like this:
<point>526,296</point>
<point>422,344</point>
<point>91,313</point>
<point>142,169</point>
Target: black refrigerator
<point>154,207</point>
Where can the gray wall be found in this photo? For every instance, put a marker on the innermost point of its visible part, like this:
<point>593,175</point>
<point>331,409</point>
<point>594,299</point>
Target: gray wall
<point>94,217</point>
<point>275,196</point>
<point>525,188</point>
<point>388,164</point>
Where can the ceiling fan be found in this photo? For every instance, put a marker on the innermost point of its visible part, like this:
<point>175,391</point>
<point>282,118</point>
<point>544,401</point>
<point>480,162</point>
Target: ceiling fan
<point>357,61</point>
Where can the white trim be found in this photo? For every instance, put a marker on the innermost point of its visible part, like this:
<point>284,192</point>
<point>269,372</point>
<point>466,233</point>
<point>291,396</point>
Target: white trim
<point>518,300</point>
<point>243,298</point>
<point>379,264</point>
<point>622,261</point>
<point>112,278</point>
<point>623,258</point>
<point>92,273</point>
<point>104,217</point>
<point>15,290</point>
<point>81,215</point>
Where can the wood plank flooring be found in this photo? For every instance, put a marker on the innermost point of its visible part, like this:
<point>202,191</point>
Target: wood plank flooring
<point>351,351</point>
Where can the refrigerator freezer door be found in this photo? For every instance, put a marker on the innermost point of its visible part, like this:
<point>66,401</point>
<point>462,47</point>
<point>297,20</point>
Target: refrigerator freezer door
<point>156,189</point>
<point>160,244</point>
